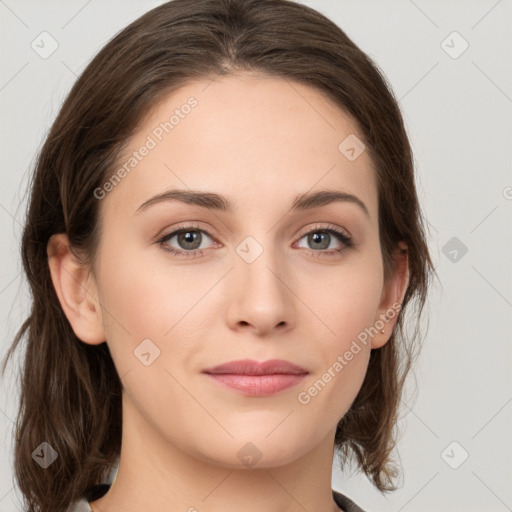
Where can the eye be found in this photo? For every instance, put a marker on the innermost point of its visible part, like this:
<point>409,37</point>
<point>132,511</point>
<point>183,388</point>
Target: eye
<point>189,239</point>
<point>320,238</point>
<point>193,241</point>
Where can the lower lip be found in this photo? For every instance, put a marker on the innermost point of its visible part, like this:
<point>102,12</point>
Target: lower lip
<point>258,385</point>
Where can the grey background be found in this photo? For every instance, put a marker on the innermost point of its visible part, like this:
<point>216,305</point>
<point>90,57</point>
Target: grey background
<point>458,115</point>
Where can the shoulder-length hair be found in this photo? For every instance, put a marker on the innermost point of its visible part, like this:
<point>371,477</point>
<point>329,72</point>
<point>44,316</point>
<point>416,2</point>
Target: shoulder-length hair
<point>70,391</point>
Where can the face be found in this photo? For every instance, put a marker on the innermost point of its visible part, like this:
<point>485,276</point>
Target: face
<point>261,278</point>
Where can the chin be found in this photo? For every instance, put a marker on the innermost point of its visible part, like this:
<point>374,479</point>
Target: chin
<point>254,452</point>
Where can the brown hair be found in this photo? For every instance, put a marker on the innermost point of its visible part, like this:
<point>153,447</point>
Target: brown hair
<point>70,391</point>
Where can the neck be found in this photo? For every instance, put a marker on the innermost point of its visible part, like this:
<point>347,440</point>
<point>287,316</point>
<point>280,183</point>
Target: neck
<point>155,476</point>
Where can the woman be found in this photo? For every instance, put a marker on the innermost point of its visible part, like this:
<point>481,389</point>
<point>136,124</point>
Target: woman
<point>222,241</point>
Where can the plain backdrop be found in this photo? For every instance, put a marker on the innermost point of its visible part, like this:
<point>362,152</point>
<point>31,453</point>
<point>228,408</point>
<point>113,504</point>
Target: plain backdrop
<point>449,65</point>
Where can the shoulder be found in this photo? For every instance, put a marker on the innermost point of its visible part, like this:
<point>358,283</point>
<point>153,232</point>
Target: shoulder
<point>346,504</point>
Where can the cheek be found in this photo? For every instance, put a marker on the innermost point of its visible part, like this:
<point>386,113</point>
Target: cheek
<point>341,359</point>
<point>345,299</point>
<point>133,308</point>
<point>140,293</point>
<point>132,299</point>
<point>347,305</point>
<point>143,298</point>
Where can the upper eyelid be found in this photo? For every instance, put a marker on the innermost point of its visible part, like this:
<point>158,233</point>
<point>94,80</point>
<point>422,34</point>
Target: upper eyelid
<point>324,227</point>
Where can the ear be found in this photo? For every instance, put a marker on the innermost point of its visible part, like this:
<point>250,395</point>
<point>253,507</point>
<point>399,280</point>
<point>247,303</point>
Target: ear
<point>76,290</point>
<point>393,293</point>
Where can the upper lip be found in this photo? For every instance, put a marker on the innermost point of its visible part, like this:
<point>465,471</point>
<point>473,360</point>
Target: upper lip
<point>251,367</point>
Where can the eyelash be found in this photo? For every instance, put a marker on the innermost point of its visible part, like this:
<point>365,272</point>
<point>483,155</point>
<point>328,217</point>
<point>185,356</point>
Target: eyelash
<point>340,235</point>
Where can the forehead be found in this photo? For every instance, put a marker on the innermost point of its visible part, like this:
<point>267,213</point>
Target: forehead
<point>251,138</point>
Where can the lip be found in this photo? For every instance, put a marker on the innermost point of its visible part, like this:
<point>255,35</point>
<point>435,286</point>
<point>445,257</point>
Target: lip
<point>257,379</point>
<point>251,367</point>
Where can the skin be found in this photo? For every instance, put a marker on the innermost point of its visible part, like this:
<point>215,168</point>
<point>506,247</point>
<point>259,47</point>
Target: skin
<point>258,141</point>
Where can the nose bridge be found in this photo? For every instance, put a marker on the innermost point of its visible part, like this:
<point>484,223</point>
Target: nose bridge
<point>258,259</point>
<point>262,297</point>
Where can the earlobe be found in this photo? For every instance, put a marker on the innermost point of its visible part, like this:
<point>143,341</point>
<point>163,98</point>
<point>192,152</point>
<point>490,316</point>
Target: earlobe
<point>75,289</point>
<point>392,297</point>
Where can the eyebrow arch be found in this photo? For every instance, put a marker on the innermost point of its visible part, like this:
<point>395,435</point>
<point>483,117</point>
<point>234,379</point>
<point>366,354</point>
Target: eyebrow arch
<point>306,201</point>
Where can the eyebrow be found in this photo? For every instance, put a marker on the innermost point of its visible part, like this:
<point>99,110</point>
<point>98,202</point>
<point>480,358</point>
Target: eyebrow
<point>210,200</point>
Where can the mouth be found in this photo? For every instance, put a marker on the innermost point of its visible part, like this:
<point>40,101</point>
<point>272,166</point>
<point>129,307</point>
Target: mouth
<point>257,385</point>
<point>252,378</point>
<point>251,367</point>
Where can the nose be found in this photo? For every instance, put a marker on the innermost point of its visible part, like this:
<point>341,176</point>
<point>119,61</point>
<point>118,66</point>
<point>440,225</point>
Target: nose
<point>260,293</point>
